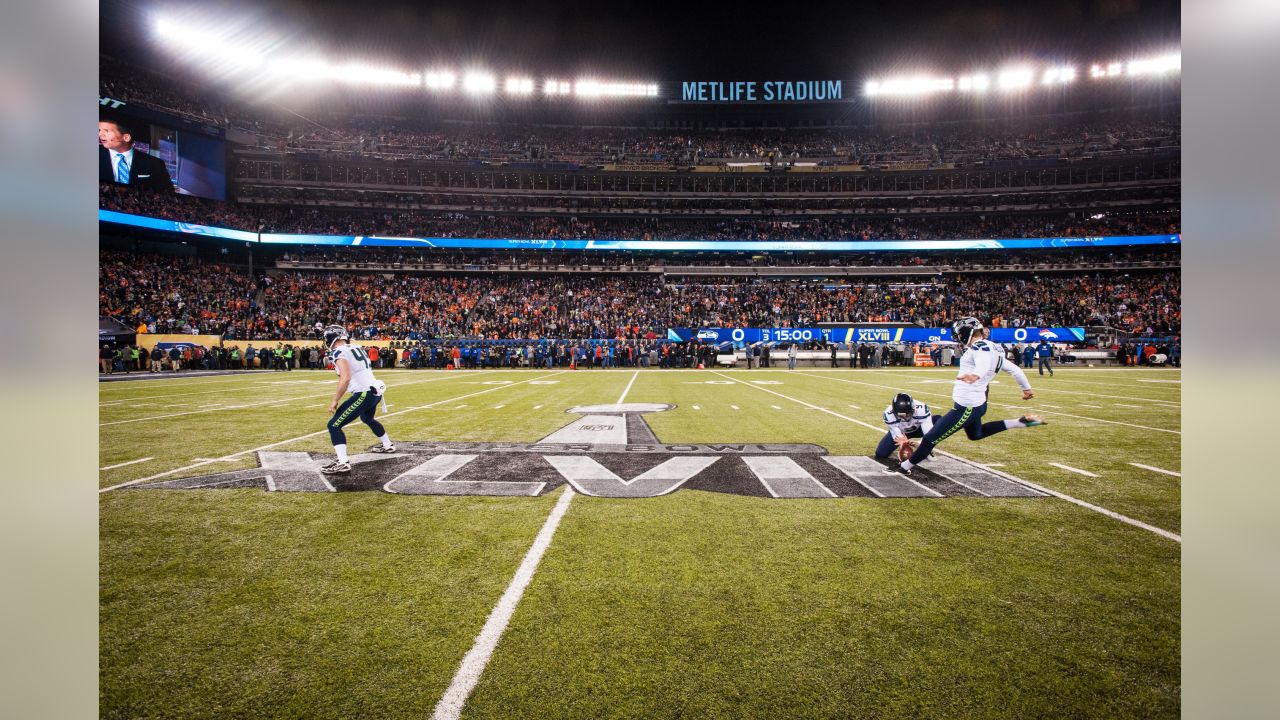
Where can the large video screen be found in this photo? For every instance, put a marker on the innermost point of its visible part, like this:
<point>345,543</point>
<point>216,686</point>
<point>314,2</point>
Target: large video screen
<point>150,152</point>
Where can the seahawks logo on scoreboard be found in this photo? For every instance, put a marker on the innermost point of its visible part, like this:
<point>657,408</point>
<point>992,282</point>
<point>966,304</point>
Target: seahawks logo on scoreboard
<point>610,451</point>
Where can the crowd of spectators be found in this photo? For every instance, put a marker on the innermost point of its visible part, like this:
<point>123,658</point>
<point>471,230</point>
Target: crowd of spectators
<point>1163,255</point>
<point>334,221</point>
<point>162,294</point>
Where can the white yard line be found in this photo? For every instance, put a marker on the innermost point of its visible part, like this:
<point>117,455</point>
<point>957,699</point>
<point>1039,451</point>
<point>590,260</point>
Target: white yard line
<point>318,432</point>
<point>131,462</point>
<point>1077,471</point>
<point>1156,469</point>
<point>695,407</point>
<point>627,389</point>
<point>473,663</point>
<point>735,407</point>
<point>1047,412</point>
<point>1033,486</point>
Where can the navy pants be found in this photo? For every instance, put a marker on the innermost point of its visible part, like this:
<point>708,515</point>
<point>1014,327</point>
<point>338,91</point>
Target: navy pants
<point>886,446</point>
<point>358,405</point>
<point>959,418</point>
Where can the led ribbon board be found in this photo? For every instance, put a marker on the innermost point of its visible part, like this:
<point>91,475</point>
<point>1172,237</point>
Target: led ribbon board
<point>119,218</point>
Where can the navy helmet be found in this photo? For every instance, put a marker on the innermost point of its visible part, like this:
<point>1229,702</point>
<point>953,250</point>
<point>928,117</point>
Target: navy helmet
<point>334,333</point>
<point>903,406</point>
<point>962,329</point>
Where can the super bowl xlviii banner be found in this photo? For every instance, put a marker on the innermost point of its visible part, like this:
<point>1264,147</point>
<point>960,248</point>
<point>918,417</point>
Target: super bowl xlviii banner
<point>751,336</point>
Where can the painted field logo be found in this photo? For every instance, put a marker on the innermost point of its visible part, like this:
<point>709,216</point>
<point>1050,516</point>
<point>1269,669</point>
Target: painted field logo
<point>610,451</point>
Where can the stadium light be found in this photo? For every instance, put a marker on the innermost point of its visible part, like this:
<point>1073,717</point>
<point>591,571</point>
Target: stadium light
<point>974,83</point>
<point>907,87</point>
<point>1014,79</point>
<point>216,47</point>
<point>519,86</point>
<point>439,80</point>
<point>1157,65</point>
<point>1058,75</point>
<point>479,83</point>
<point>596,88</point>
<point>556,87</point>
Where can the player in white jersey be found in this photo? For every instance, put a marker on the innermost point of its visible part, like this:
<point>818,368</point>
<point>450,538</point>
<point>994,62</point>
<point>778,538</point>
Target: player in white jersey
<point>906,418</point>
<point>980,362</point>
<point>354,377</point>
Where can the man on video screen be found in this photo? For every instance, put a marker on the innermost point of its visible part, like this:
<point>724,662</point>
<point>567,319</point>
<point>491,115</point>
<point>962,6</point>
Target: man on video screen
<point>119,163</point>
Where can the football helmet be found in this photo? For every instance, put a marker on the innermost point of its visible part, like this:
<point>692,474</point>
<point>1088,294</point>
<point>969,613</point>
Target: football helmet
<point>962,329</point>
<point>903,406</point>
<point>334,333</point>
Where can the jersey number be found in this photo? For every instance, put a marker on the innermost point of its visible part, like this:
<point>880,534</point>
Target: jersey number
<point>358,354</point>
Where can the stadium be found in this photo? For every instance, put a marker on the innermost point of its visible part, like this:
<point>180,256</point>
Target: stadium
<point>452,365</point>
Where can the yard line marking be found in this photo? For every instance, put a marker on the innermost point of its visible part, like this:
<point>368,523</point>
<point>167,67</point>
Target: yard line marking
<point>473,664</point>
<point>775,407</point>
<point>735,407</point>
<point>1161,381</point>
<point>1077,471</point>
<point>855,407</point>
<point>318,432</point>
<point>1055,407</point>
<point>1095,407</point>
<point>1063,496</point>
<point>498,407</point>
<point>1156,469</point>
<point>460,406</point>
<point>212,460</point>
<point>695,407</point>
<point>1050,412</point>
<point>1135,407</point>
<point>995,464</point>
<point>537,407</point>
<point>627,389</point>
<point>131,462</point>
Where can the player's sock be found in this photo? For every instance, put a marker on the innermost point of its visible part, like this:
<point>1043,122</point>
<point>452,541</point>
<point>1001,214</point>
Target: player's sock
<point>1011,424</point>
<point>907,465</point>
<point>342,452</point>
<point>385,440</point>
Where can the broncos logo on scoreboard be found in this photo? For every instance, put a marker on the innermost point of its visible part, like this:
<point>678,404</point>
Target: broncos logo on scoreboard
<point>610,451</point>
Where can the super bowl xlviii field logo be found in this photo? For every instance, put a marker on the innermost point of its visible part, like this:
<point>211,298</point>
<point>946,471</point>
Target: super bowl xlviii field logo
<point>610,451</point>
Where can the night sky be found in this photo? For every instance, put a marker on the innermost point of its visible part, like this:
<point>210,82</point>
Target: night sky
<point>687,41</point>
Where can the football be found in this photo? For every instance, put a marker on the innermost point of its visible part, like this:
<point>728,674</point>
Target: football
<point>905,450</point>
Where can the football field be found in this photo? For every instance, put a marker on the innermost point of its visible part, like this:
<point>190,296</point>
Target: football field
<point>638,544</point>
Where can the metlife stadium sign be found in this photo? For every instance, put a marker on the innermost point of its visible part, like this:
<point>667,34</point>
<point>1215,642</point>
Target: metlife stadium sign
<point>761,92</point>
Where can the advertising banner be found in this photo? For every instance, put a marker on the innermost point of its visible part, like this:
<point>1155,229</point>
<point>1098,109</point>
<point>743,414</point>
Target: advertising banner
<point>911,335</point>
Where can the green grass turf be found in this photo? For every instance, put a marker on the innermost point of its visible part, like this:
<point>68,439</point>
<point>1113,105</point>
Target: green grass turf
<point>239,603</point>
